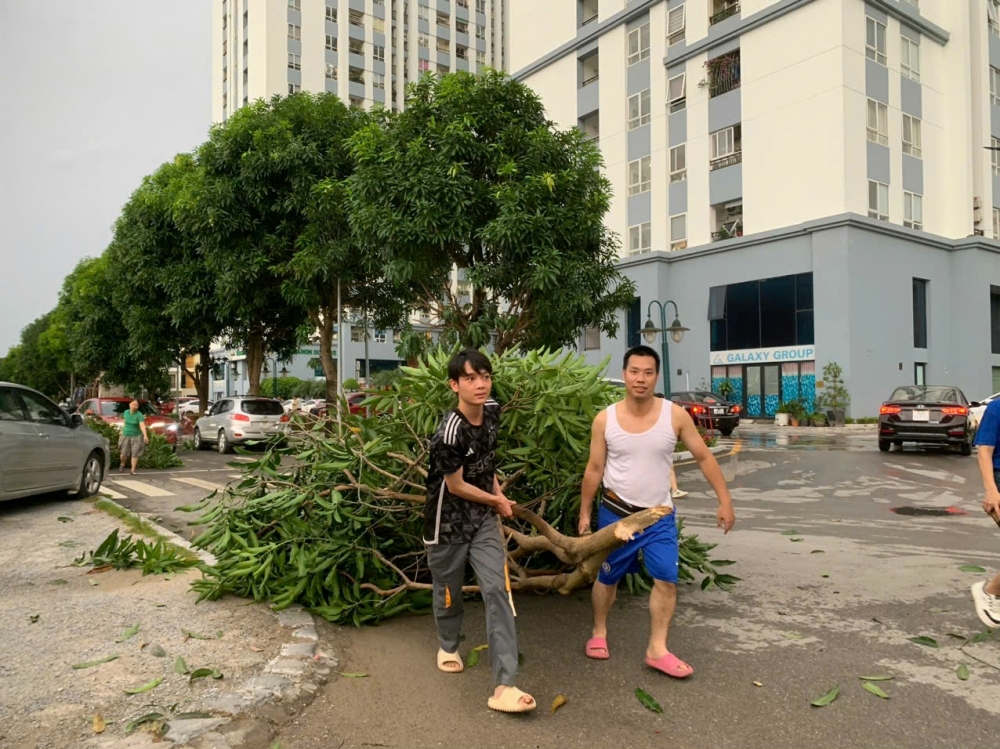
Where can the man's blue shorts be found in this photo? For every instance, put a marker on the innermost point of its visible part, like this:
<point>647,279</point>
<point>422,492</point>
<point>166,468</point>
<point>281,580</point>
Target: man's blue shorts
<point>657,544</point>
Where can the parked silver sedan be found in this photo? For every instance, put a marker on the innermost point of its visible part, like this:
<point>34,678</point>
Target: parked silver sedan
<point>44,449</point>
<point>233,421</point>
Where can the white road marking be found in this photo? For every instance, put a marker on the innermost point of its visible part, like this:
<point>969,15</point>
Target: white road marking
<point>201,484</point>
<point>146,489</point>
<point>111,493</point>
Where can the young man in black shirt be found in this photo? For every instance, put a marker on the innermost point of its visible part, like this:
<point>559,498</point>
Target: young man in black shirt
<point>460,525</point>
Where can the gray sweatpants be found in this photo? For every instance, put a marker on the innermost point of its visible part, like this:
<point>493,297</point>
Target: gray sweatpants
<point>489,559</point>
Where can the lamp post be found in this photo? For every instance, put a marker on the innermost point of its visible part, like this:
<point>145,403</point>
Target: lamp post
<point>274,374</point>
<point>676,331</point>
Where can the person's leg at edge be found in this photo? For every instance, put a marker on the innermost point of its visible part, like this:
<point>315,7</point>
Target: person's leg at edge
<point>447,566</point>
<point>489,558</point>
<point>993,586</point>
<point>602,598</point>
<point>135,464</point>
<point>662,602</point>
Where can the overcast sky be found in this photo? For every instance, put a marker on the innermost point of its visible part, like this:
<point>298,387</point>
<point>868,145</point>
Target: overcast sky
<point>94,95</point>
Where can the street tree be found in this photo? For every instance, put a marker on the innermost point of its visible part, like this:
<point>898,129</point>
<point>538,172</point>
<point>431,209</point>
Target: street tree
<point>473,176</point>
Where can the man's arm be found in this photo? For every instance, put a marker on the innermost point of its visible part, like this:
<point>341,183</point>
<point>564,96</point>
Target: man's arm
<point>594,473</point>
<point>458,486</point>
<point>687,432</point>
<point>991,502</point>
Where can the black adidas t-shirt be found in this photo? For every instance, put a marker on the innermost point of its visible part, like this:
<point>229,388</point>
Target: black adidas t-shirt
<point>458,444</point>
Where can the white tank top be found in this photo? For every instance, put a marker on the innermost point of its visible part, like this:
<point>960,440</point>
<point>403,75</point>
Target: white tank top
<point>638,465</point>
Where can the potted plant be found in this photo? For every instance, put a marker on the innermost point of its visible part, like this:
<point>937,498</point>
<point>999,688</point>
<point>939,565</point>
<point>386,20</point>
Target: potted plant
<point>817,419</point>
<point>782,415</point>
<point>725,389</point>
<point>834,397</point>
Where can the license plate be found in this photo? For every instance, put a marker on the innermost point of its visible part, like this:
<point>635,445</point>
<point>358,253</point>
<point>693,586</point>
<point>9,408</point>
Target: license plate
<point>921,416</point>
<point>718,411</point>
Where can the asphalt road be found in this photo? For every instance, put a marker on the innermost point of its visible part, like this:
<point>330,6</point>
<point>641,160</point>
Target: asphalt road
<point>809,614</point>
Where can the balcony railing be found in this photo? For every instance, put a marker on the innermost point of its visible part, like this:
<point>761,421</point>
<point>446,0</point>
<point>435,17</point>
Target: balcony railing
<point>728,233</point>
<point>588,81</point>
<point>724,75</point>
<point>731,160</point>
<point>728,11</point>
<point>589,19</point>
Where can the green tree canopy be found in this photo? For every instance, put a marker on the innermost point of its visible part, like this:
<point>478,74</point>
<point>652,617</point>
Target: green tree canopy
<point>472,175</point>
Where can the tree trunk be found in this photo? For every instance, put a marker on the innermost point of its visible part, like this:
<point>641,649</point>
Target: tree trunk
<point>201,384</point>
<point>254,361</point>
<point>325,322</point>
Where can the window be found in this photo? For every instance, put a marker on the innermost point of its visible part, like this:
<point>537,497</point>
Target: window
<point>481,57</point>
<point>378,52</point>
<point>996,223</point>
<point>909,61</point>
<point>676,92</point>
<point>993,16</point>
<point>995,86</point>
<point>591,339</point>
<point>443,19</point>
<point>462,27</point>
<point>995,154</point>
<point>913,210</point>
<point>422,12</point>
<point>355,46</point>
<point>639,177</point>
<point>638,44</point>
<point>378,25</point>
<point>294,62</point>
<point>331,71</point>
<point>675,25</point>
<point>443,69</point>
<point>462,53</point>
<point>443,45</point>
<point>331,42</point>
<point>10,407</point>
<point>765,313</point>
<point>911,136</point>
<point>294,32</point>
<point>678,163</point>
<point>875,40</point>
<point>356,74</point>
<point>726,142</point>
<point>356,18</point>
<point>639,238</point>
<point>41,410</point>
<point>423,66</point>
<point>294,88</point>
<point>638,110</point>
<point>295,4</point>
<point>378,336</point>
<point>480,31</point>
<point>423,40</point>
<point>919,313</point>
<point>378,80</point>
<point>878,200</point>
<point>480,6</point>
<point>678,232</point>
<point>995,319</point>
<point>920,373</point>
<point>878,122</point>
<point>331,13</point>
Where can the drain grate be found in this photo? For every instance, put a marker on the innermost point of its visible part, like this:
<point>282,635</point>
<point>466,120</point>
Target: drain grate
<point>934,512</point>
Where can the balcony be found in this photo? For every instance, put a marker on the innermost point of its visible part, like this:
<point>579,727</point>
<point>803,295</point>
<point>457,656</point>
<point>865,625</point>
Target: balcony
<point>728,232</point>
<point>723,73</point>
<point>588,12</point>
<point>723,10</point>
<point>731,160</point>
<point>728,221</point>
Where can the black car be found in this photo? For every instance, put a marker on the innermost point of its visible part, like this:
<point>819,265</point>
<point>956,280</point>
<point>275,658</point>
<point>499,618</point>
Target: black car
<point>926,415</point>
<point>709,410</point>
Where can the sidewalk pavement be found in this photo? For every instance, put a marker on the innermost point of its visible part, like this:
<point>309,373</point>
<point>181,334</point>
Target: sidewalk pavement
<point>58,616</point>
<point>768,427</point>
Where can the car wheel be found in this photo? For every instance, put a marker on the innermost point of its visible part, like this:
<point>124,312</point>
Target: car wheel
<point>966,449</point>
<point>93,474</point>
<point>223,444</point>
<point>198,443</point>
<point>726,432</point>
<point>884,445</point>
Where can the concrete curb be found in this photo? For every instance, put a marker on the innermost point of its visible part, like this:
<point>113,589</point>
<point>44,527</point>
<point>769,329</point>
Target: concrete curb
<point>686,455</point>
<point>248,716</point>
<point>168,535</point>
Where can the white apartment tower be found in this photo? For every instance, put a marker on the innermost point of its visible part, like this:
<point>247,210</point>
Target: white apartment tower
<point>365,51</point>
<point>807,180</point>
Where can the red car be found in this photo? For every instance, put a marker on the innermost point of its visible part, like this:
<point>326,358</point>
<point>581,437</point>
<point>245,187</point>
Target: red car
<point>111,410</point>
<point>709,410</point>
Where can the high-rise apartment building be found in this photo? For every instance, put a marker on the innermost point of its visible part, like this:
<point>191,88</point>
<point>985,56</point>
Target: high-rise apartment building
<point>365,51</point>
<point>807,180</point>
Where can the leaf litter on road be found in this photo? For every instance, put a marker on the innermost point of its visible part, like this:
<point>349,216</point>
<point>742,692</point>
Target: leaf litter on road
<point>647,701</point>
<point>149,685</point>
<point>972,568</point>
<point>98,725</point>
<point>559,701</point>
<point>924,640</point>
<point>201,673</point>
<point>353,674</point>
<point>875,678</point>
<point>98,662</point>
<point>962,672</point>
<point>790,533</point>
<point>875,689</point>
<point>180,666</point>
<point>140,721</point>
<point>188,634</point>
<point>827,698</point>
<point>129,633</point>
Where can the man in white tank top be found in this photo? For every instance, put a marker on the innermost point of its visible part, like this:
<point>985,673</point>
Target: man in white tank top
<point>632,449</point>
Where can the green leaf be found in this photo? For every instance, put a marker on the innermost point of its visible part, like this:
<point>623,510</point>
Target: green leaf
<point>196,715</point>
<point>875,689</point>
<point>827,698</point>
<point>353,675</point>
<point>64,519</point>
<point>957,636</point>
<point>98,662</point>
<point>981,637</point>
<point>938,611</point>
<point>796,540</point>
<point>128,633</point>
<point>972,568</point>
<point>647,701</point>
<point>153,684</point>
<point>181,667</point>
<point>790,533</point>
<point>201,673</point>
<point>147,718</point>
<point>793,636</point>
<point>473,660</point>
<point>962,672</point>
<point>875,678</point>
<point>929,642</point>
<point>196,636</point>
<point>817,551</point>
<point>157,652</point>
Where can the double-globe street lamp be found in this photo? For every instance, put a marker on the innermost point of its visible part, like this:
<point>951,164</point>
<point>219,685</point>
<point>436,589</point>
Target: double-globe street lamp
<point>274,374</point>
<point>676,331</point>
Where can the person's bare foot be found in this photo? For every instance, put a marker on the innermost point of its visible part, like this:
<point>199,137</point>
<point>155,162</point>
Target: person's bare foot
<point>525,703</point>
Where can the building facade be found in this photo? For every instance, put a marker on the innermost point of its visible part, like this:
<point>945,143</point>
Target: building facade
<point>365,51</point>
<point>809,181</point>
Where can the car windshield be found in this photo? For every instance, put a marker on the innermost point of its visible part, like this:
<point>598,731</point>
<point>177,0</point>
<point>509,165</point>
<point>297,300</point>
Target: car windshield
<point>925,394</point>
<point>262,408</point>
<point>117,408</point>
<point>706,398</point>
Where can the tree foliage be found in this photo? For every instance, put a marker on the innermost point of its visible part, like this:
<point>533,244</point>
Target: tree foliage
<point>334,522</point>
<point>471,175</point>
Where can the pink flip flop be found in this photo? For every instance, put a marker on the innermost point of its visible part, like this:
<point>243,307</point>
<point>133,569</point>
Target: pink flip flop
<point>671,665</point>
<point>597,648</point>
